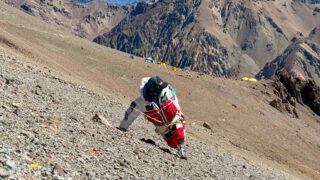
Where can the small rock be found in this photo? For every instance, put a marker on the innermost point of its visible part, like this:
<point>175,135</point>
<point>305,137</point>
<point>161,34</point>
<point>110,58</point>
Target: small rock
<point>38,86</point>
<point>206,125</point>
<point>2,159</point>
<point>53,121</point>
<point>4,173</point>
<point>35,141</point>
<point>5,107</point>
<point>17,112</point>
<point>90,174</point>
<point>11,164</point>
<point>56,177</point>
<point>295,113</point>
<point>57,170</point>
<point>16,105</point>
<point>73,118</point>
<point>9,81</point>
<point>38,92</point>
<point>122,163</point>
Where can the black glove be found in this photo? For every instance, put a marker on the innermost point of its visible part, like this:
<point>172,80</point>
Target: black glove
<point>122,129</point>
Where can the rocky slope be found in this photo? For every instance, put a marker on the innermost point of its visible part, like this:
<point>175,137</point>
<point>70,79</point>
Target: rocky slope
<point>292,91</point>
<point>49,122</point>
<point>84,20</point>
<point>301,59</point>
<point>242,121</point>
<point>223,38</point>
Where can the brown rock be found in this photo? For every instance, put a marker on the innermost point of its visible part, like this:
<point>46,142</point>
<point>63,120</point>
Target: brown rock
<point>289,89</point>
<point>57,170</point>
<point>206,125</point>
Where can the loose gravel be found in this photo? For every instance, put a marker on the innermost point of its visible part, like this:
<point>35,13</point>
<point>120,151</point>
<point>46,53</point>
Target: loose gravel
<point>47,131</point>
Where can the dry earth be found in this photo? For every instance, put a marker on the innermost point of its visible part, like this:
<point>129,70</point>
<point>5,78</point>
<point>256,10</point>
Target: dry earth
<point>242,121</point>
<point>48,132</point>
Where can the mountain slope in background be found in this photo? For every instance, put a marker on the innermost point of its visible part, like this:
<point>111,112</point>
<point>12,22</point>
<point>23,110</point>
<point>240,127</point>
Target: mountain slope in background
<point>122,2</point>
<point>223,38</point>
<point>172,35</point>
<point>82,1</point>
<point>84,20</point>
<point>311,1</point>
<point>244,122</point>
<point>115,2</point>
<point>301,59</point>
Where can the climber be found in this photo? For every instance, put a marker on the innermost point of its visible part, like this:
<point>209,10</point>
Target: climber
<point>160,106</point>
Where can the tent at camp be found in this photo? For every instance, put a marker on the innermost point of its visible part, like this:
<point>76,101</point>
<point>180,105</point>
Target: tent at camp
<point>149,60</point>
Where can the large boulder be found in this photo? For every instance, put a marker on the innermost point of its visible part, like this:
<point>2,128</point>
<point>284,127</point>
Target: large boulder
<point>291,90</point>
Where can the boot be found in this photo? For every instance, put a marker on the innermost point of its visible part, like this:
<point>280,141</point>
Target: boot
<point>181,152</point>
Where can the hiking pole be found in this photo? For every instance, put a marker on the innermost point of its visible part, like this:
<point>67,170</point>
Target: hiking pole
<point>174,122</point>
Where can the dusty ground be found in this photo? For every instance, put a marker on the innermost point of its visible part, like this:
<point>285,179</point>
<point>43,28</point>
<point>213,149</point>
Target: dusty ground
<point>243,123</point>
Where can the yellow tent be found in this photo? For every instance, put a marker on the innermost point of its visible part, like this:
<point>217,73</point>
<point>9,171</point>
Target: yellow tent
<point>252,80</point>
<point>174,68</point>
<point>245,79</point>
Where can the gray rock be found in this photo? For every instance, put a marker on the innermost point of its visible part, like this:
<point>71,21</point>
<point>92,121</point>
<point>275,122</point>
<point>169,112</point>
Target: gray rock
<point>11,164</point>
<point>17,112</point>
<point>35,141</point>
<point>4,173</point>
<point>90,174</point>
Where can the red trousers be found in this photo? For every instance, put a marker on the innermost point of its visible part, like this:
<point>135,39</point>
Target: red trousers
<point>176,136</point>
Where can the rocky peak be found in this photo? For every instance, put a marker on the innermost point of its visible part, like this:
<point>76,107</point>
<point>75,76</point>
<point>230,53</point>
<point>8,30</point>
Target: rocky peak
<point>170,32</point>
<point>222,38</point>
<point>291,90</point>
<point>301,59</point>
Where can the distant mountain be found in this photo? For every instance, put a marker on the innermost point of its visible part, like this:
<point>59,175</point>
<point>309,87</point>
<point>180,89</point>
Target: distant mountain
<point>123,2</point>
<point>311,1</point>
<point>170,32</point>
<point>115,2</point>
<point>301,59</point>
<point>82,1</point>
<point>85,20</point>
<point>222,38</point>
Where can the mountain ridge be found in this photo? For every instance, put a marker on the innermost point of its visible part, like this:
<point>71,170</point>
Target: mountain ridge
<point>301,59</point>
<point>84,20</point>
<point>226,38</point>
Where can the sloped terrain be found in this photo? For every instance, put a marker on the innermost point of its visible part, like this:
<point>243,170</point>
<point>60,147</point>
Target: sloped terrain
<point>49,122</point>
<point>243,123</point>
<point>294,90</point>
<point>84,20</point>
